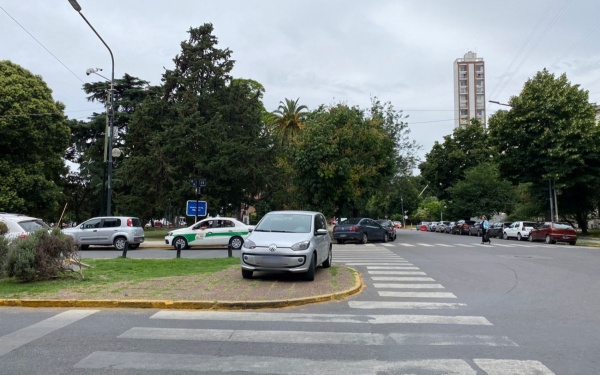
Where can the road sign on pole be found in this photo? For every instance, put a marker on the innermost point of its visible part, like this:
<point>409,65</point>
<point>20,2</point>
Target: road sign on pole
<point>196,208</point>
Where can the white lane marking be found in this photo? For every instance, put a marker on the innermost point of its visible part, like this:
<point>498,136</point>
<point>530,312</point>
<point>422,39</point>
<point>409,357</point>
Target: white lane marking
<point>283,337</point>
<point>425,244</point>
<point>418,294</point>
<point>443,245</point>
<point>33,332</point>
<point>401,278</point>
<point>405,305</point>
<point>303,337</point>
<point>406,244</point>
<point>414,273</point>
<point>269,365</point>
<point>464,245</point>
<point>387,244</point>
<point>380,265</point>
<point>408,286</point>
<point>502,245</point>
<point>450,340</point>
<point>512,367</point>
<point>321,318</point>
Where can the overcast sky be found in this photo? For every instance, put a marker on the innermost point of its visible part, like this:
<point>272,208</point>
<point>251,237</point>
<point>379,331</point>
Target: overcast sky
<point>323,52</point>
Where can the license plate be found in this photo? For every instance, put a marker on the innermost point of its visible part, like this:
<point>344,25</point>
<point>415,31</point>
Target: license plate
<point>565,237</point>
<point>270,261</point>
<point>342,235</point>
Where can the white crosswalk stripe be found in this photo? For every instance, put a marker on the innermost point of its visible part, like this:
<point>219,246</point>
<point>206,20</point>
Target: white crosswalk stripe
<point>405,305</point>
<point>412,273</point>
<point>408,286</point>
<point>417,294</point>
<point>401,278</point>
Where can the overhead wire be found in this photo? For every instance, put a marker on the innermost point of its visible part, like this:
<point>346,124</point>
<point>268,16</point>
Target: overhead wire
<point>40,43</point>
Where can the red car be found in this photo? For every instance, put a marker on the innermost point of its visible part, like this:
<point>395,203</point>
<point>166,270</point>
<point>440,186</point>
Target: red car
<point>553,232</point>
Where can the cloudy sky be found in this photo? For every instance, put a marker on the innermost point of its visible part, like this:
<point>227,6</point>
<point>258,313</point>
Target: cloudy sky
<point>323,52</point>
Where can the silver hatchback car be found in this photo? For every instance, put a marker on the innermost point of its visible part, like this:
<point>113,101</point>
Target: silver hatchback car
<point>110,230</point>
<point>288,241</point>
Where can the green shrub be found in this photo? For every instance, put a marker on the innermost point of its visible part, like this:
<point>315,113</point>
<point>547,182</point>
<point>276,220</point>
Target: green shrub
<point>39,256</point>
<point>3,228</point>
<point>3,255</point>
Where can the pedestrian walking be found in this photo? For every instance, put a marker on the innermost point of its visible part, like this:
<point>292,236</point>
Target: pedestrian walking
<point>485,225</point>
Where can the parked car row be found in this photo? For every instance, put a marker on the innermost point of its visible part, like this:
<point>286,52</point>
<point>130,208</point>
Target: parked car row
<point>550,232</point>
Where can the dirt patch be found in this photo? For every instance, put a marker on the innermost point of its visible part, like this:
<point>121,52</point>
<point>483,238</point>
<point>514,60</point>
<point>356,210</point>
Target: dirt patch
<point>226,285</point>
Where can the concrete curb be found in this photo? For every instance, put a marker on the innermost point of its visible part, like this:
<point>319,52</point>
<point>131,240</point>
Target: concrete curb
<point>189,305</point>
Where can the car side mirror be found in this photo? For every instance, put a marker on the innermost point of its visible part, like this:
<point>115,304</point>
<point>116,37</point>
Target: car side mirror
<point>321,232</point>
<point>81,226</point>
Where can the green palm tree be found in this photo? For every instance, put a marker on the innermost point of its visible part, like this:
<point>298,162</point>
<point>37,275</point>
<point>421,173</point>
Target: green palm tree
<point>289,120</point>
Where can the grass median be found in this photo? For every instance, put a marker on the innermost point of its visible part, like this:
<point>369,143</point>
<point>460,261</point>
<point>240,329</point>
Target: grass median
<point>106,272</point>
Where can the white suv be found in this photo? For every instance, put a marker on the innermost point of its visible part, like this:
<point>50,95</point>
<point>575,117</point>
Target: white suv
<point>20,226</point>
<point>108,230</point>
<point>519,230</point>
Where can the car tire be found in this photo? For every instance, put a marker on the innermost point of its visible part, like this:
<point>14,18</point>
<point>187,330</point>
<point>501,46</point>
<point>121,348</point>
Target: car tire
<point>327,263</point>
<point>505,236</point>
<point>519,238</point>
<point>385,237</point>
<point>119,243</point>
<point>310,274</point>
<point>478,233</point>
<point>84,247</point>
<point>247,274</point>
<point>530,238</point>
<point>364,239</point>
<point>134,246</point>
<point>549,240</point>
<point>340,242</point>
<point>395,235</point>
<point>180,240</point>
<point>236,242</point>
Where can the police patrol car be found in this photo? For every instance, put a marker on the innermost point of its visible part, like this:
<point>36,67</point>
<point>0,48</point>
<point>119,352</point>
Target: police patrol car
<point>212,231</point>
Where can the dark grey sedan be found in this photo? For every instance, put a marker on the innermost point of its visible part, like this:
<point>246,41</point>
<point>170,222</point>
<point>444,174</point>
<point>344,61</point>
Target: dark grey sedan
<point>359,229</point>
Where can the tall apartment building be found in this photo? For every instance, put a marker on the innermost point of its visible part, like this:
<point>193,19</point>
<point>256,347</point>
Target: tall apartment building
<point>469,90</point>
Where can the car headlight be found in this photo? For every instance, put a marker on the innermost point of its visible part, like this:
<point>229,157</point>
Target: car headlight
<point>249,244</point>
<point>300,246</point>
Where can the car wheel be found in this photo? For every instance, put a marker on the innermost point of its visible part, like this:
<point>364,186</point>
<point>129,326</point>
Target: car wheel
<point>385,237</point>
<point>530,238</point>
<point>519,238</point>
<point>505,236</point>
<point>119,243</point>
<point>236,242</point>
<point>549,239</point>
<point>310,274</point>
<point>395,235</point>
<point>247,274</point>
<point>181,242</point>
<point>327,263</point>
<point>340,242</point>
<point>84,247</point>
<point>364,239</point>
<point>134,246</point>
<point>478,233</point>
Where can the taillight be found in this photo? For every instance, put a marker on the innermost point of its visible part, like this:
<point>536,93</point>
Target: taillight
<point>129,222</point>
<point>23,235</point>
<point>354,228</point>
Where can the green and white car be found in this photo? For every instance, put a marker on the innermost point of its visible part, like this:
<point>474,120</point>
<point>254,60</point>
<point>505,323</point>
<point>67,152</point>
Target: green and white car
<point>212,231</point>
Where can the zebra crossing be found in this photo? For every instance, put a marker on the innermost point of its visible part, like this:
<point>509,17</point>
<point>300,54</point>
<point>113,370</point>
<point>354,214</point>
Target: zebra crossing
<point>407,310</point>
<point>459,245</point>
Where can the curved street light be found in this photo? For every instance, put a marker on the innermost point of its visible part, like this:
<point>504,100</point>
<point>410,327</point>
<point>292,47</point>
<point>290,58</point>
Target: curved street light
<point>77,8</point>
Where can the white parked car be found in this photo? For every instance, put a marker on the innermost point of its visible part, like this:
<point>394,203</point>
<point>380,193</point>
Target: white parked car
<point>212,231</point>
<point>21,226</point>
<point>108,230</point>
<point>519,230</point>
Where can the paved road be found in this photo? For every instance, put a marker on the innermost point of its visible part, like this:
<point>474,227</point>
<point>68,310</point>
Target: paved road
<point>434,304</point>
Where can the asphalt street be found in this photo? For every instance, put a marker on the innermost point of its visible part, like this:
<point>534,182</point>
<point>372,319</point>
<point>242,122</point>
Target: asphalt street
<point>434,304</point>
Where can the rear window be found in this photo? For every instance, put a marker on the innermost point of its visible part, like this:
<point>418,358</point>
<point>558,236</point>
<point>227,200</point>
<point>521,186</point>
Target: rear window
<point>351,221</point>
<point>562,226</point>
<point>136,222</point>
<point>529,224</point>
<point>32,225</point>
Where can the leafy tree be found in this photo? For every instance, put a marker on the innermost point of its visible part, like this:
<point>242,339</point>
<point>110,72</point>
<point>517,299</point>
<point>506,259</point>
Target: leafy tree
<point>550,133</point>
<point>341,159</point>
<point>482,192</point>
<point>33,140</point>
<point>447,162</point>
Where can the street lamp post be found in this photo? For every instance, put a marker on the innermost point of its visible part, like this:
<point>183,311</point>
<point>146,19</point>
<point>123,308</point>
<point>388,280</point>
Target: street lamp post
<point>403,214</point>
<point>108,151</point>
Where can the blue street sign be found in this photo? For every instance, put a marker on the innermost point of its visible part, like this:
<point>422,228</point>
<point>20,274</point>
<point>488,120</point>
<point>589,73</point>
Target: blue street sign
<point>191,208</point>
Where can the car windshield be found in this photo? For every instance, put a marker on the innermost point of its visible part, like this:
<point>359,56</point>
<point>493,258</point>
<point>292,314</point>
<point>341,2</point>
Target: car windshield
<point>285,222</point>
<point>351,221</point>
<point>562,226</point>
<point>529,224</point>
<point>32,225</point>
